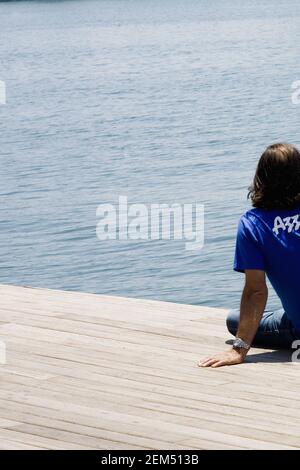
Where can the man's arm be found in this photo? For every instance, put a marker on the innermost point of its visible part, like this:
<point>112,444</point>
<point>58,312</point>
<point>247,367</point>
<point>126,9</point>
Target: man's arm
<point>253,302</point>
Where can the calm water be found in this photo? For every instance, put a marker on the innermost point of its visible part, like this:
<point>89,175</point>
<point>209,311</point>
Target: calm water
<point>160,100</point>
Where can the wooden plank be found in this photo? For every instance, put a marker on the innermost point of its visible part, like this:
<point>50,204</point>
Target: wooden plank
<point>192,412</point>
<point>31,439</point>
<point>6,444</point>
<point>101,372</point>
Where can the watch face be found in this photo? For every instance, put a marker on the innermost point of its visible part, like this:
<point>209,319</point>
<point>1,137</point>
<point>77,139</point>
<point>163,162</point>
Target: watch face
<point>239,343</point>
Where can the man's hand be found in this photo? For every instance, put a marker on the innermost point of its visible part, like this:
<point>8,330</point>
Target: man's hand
<point>227,358</point>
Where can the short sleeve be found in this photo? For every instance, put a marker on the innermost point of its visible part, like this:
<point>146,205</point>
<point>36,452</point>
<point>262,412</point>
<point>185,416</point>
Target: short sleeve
<point>248,253</point>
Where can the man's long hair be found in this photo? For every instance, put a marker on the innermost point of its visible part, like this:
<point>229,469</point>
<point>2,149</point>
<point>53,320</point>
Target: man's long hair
<point>276,182</point>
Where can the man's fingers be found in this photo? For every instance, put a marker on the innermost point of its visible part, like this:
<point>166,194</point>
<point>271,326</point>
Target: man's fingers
<point>207,359</point>
<point>228,358</point>
<point>220,363</point>
<point>208,362</point>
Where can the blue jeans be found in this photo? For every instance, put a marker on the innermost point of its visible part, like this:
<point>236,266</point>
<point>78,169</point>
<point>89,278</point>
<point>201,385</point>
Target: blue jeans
<point>275,330</point>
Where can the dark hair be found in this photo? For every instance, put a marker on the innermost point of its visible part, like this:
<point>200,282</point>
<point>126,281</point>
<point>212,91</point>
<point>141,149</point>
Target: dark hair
<point>276,182</point>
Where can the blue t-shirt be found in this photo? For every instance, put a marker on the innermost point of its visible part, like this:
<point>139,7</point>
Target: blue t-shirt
<point>269,240</point>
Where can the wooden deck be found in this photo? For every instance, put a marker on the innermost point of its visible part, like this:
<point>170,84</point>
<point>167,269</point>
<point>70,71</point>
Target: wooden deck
<point>86,371</point>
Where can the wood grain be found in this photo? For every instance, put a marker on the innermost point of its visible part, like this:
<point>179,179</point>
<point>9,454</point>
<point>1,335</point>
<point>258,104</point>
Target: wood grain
<point>100,372</point>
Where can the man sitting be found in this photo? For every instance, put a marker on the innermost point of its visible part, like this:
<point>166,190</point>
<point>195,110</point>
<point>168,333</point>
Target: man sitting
<point>268,244</point>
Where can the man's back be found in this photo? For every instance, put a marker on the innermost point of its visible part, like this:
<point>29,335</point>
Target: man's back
<point>269,240</point>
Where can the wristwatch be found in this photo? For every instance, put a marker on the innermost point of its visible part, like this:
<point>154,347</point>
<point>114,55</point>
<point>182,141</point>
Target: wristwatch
<point>240,344</point>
